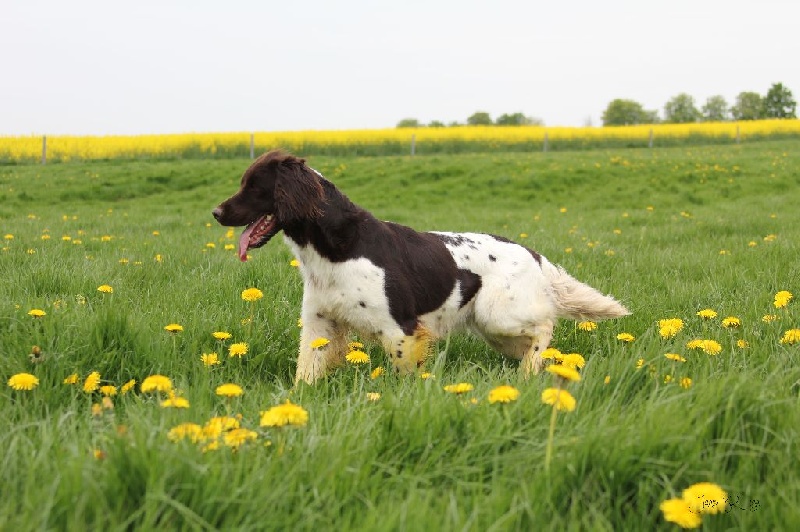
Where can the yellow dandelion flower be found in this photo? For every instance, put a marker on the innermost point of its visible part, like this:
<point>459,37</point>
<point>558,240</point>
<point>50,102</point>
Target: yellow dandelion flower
<point>587,326</point>
<point>319,342</point>
<point>791,337</point>
<point>607,380</point>
<point>211,446</point>
<point>377,372</point>
<point>352,346</point>
<point>238,349</point>
<point>373,396</point>
<point>23,381</point>
<point>215,426</point>
<point>285,414</point>
<point>707,314</point>
<point>128,386</point>
<point>564,372</point>
<point>108,390</point>
<point>551,353</point>
<point>731,322</point>
<point>679,512</point>
<point>252,294</point>
<point>191,431</point>
<point>705,498</point>
<point>175,402</point>
<point>425,375</point>
<point>640,363</point>
<point>458,389</point>
<point>156,383</point>
<point>742,344</point>
<point>294,263</point>
<point>782,299</point>
<point>237,437</point>
<point>92,382</point>
<point>210,359</point>
<point>221,335</point>
<point>173,328</point>
<point>106,289</point>
<point>769,318</point>
<point>711,347</point>
<point>674,357</point>
<point>503,394</point>
<point>670,327</point>
<point>686,383</point>
<point>560,399</point>
<point>667,379</point>
<point>97,410</point>
<point>626,337</point>
<point>71,379</point>
<point>229,390</point>
<point>573,360</point>
<point>357,357</point>
<point>229,247</point>
<point>300,323</point>
<point>37,313</point>
<point>107,403</point>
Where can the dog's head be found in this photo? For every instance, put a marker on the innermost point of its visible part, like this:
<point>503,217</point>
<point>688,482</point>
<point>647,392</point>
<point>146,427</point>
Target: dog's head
<point>277,190</point>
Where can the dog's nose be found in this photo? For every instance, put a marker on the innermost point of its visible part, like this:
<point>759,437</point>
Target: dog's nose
<point>217,212</point>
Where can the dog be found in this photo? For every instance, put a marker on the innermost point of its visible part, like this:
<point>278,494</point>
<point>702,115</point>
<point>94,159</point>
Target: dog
<point>389,282</point>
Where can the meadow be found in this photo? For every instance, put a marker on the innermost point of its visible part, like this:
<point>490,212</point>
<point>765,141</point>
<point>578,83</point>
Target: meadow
<point>100,258</point>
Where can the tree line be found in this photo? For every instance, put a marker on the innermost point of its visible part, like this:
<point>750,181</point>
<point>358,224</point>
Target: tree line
<point>778,102</point>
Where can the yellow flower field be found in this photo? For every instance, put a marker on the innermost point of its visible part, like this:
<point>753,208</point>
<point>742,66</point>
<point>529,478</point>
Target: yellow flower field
<point>393,141</point>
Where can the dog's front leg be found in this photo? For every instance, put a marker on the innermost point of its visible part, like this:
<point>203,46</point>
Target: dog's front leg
<point>533,362</point>
<point>316,356</point>
<point>408,352</point>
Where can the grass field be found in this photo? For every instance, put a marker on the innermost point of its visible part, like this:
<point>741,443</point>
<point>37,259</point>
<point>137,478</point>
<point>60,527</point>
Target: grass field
<point>670,232</point>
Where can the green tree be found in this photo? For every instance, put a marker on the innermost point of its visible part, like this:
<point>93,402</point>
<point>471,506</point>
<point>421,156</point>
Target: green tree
<point>436,123</point>
<point>480,118</point>
<point>516,119</point>
<point>408,122</point>
<point>748,106</point>
<point>779,102</point>
<point>681,110</point>
<point>622,112</point>
<point>715,109</point>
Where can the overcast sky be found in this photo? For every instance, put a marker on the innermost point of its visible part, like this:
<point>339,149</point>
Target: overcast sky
<point>107,67</point>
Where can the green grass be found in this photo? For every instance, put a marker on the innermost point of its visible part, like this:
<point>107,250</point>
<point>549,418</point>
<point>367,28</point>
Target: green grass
<point>646,226</point>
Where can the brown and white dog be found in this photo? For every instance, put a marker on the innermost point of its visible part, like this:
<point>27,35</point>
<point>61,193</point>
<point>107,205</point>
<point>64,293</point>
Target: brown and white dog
<point>402,287</point>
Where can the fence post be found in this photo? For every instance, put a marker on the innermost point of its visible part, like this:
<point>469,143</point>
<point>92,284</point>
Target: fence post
<point>44,149</point>
<point>413,144</point>
<point>544,147</point>
<point>650,143</point>
<point>252,146</point>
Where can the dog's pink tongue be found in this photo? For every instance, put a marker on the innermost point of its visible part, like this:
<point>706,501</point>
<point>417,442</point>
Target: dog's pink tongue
<point>244,241</point>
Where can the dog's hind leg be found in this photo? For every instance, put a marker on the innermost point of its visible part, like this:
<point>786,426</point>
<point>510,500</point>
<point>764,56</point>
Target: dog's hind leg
<point>408,352</point>
<point>315,360</point>
<point>532,361</point>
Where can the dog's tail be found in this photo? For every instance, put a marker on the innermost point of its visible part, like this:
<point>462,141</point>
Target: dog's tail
<point>580,301</point>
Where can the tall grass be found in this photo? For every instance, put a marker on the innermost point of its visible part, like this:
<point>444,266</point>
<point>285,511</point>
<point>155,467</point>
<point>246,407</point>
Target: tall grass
<point>398,141</point>
<point>668,231</point>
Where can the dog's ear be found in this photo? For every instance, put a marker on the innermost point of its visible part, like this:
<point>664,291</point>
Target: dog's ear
<point>298,191</point>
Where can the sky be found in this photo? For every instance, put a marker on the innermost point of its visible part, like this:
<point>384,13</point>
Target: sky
<point>84,67</point>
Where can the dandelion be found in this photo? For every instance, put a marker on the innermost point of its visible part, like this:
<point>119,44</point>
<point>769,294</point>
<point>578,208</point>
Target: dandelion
<point>210,359</point>
<point>679,512</point>
<point>352,346</point>
<point>285,414</point>
<point>294,263</point>
<point>173,328</point>
<point>782,299</point>
<point>71,379</point>
<point>587,326</point>
<point>742,344</point>
<point>37,313</point>
<point>791,337</point>
<point>667,379</point>
<point>503,394</point>
<point>357,357</point>
<point>731,322</point>
<point>674,357</point>
<point>229,390</point>
<point>626,337</point>
<point>377,372</point>
<point>568,374</point>
<point>175,402</point>
<point>707,314</point>
<point>23,381</point>
<point>560,399</point>
<point>252,294</point>
<point>670,327</point>
<point>92,382</point>
<point>238,349</point>
<point>425,375</point>
<point>221,335</point>
<point>769,318</point>
<point>607,380</point>
<point>711,347</point>
<point>373,396</point>
<point>573,360</point>
<point>237,437</point>
<point>157,383</point>
<point>640,363</point>
<point>458,389</point>
<point>191,431</point>
<point>128,386</point>
<point>97,410</point>
<point>108,390</point>
<point>106,289</point>
<point>705,498</point>
<point>107,403</point>
<point>319,342</point>
<point>686,383</point>
<point>215,426</point>
<point>551,353</point>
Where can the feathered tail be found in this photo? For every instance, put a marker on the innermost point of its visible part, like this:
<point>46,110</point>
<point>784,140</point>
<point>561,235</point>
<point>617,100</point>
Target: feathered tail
<point>580,301</point>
